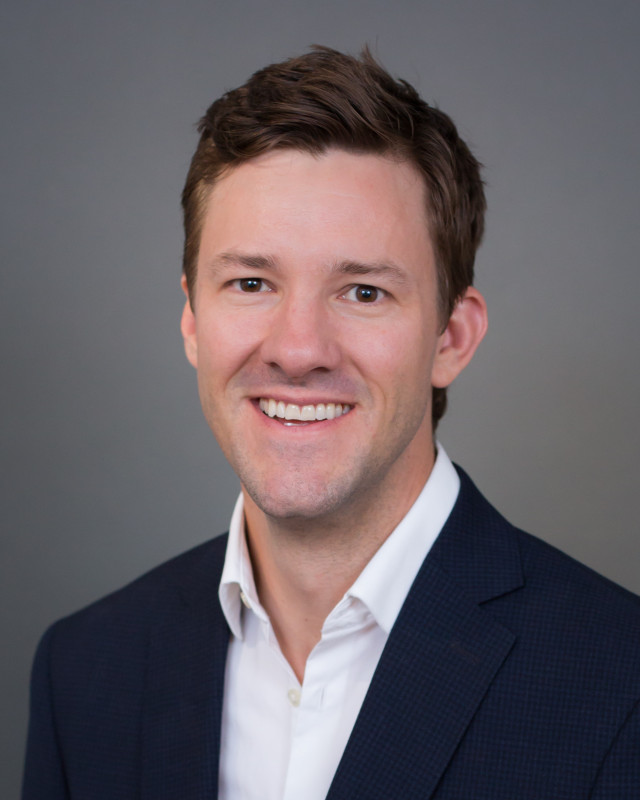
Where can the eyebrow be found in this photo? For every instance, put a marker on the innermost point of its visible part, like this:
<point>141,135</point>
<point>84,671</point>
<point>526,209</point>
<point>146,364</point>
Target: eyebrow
<point>376,269</point>
<point>242,259</point>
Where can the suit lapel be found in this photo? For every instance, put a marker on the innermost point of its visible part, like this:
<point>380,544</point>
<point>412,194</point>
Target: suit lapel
<point>183,700</point>
<point>439,661</point>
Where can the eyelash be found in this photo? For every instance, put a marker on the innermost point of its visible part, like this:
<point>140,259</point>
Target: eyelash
<point>372,294</point>
<point>238,284</point>
<point>377,293</point>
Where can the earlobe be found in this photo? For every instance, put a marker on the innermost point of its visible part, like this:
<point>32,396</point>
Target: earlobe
<point>458,343</point>
<point>188,327</point>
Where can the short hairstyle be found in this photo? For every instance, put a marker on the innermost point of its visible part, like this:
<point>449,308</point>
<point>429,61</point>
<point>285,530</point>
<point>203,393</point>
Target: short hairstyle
<point>326,99</point>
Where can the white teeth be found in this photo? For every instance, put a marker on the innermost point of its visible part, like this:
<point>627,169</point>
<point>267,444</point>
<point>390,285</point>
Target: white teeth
<point>292,412</point>
<point>307,413</point>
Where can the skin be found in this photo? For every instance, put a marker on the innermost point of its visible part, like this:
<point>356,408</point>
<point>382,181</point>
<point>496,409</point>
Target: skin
<point>316,283</point>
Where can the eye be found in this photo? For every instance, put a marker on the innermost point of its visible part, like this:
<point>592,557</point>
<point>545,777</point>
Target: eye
<point>251,285</point>
<point>362,293</point>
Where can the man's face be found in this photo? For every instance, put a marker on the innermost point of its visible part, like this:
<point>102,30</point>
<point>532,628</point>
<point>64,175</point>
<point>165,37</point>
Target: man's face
<point>316,291</point>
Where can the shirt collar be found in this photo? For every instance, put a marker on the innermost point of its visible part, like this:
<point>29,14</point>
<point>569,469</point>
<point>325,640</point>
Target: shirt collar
<point>384,583</point>
<point>237,585</point>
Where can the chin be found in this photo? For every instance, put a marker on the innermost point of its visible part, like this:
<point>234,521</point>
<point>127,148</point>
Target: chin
<point>297,499</point>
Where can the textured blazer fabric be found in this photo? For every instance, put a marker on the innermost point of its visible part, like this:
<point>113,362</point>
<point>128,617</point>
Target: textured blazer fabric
<point>512,672</point>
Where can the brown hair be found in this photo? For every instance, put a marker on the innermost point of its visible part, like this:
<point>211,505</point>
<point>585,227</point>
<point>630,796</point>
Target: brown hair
<point>328,99</point>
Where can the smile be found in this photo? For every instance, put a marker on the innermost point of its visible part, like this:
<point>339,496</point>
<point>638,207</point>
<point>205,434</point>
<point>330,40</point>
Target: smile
<point>306,413</point>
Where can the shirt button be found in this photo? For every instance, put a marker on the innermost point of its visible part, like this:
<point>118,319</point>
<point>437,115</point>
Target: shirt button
<point>294,697</point>
<point>245,599</point>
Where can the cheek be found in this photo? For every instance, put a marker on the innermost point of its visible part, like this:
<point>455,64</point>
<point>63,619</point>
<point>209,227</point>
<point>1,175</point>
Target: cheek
<point>225,341</point>
<point>396,355</point>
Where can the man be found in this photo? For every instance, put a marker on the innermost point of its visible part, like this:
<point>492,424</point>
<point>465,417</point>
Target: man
<point>371,628</point>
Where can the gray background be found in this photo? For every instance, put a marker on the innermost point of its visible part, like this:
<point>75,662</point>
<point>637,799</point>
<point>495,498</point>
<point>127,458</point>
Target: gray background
<point>108,465</point>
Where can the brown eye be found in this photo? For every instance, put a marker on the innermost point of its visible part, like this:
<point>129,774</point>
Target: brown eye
<point>250,284</point>
<point>366,294</point>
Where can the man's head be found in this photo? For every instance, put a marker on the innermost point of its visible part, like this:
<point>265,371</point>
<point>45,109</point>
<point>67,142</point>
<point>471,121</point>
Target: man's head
<point>326,100</point>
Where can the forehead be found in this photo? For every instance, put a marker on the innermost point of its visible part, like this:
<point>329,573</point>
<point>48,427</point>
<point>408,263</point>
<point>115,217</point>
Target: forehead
<point>334,205</point>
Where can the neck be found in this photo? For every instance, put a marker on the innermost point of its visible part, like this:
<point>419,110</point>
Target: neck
<point>303,567</point>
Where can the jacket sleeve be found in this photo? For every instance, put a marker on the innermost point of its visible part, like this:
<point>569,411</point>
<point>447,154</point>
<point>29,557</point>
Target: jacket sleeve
<point>619,775</point>
<point>44,777</point>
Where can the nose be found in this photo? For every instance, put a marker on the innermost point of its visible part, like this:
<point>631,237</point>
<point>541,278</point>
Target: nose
<point>301,338</point>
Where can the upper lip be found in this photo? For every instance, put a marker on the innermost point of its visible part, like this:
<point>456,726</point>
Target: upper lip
<point>301,401</point>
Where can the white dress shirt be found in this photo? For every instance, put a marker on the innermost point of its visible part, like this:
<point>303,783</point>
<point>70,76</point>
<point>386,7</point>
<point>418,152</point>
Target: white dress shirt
<point>282,740</point>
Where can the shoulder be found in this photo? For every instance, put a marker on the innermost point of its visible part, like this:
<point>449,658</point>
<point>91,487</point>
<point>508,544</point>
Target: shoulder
<point>120,623</point>
<point>548,573</point>
<point>586,605</point>
<point>558,608</point>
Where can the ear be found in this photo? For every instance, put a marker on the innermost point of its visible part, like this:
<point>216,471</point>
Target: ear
<point>465,330</point>
<point>188,327</point>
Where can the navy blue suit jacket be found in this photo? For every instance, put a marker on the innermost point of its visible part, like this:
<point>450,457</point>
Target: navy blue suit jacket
<point>512,672</point>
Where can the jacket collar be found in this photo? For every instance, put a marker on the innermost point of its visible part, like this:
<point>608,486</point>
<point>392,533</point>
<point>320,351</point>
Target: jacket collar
<point>477,547</point>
